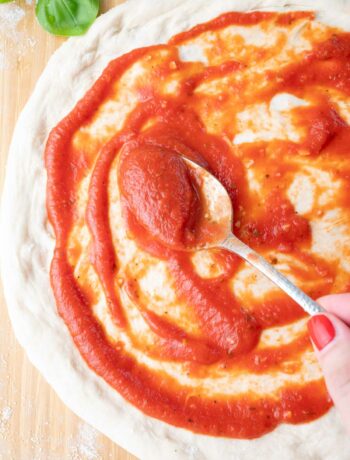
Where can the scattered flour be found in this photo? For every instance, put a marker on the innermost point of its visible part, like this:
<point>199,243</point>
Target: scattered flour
<point>37,443</point>
<point>14,43</point>
<point>85,445</point>
<point>10,15</point>
<point>2,60</point>
<point>5,416</point>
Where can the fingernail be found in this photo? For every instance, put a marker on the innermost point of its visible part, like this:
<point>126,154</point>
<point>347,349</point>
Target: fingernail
<point>321,330</point>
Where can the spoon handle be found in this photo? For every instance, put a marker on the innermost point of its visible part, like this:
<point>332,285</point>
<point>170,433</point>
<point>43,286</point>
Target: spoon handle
<point>235,245</point>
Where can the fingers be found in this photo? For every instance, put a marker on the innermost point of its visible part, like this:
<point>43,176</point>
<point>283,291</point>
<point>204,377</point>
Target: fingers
<point>338,304</point>
<point>331,339</point>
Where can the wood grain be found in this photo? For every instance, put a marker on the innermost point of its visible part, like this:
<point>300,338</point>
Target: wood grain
<point>34,423</point>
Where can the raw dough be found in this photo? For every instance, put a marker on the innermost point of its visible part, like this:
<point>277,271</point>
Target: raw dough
<point>27,242</point>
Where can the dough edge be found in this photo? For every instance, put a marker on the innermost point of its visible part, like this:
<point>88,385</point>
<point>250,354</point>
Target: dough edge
<point>27,242</point>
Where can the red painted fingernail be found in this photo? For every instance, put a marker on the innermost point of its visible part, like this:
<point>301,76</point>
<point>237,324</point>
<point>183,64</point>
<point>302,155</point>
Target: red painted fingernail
<point>321,330</point>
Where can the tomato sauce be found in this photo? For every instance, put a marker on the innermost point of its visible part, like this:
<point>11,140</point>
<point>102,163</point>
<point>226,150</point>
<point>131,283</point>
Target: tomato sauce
<point>161,203</point>
<point>157,188</point>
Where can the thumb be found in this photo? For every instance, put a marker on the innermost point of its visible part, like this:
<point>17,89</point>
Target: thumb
<point>331,339</point>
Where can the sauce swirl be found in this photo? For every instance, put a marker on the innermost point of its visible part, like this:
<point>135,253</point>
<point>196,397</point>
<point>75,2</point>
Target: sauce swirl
<point>129,179</point>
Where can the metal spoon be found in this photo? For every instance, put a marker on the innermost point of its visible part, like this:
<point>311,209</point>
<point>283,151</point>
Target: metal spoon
<point>219,213</point>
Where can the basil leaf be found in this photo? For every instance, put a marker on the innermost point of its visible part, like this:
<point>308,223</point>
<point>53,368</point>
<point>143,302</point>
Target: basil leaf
<point>66,17</point>
<point>5,1</point>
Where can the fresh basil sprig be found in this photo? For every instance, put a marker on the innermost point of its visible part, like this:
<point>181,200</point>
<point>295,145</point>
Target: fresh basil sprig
<point>67,17</point>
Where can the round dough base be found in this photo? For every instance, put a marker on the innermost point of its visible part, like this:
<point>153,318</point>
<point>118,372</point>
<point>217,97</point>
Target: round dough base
<point>27,242</point>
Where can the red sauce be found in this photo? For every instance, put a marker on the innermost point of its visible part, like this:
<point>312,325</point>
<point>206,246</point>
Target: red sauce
<point>284,228</point>
<point>158,190</point>
<point>150,164</point>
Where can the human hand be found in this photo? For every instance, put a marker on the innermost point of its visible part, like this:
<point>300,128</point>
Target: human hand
<point>330,334</point>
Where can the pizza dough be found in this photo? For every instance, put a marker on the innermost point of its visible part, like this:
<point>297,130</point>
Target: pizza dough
<point>25,227</point>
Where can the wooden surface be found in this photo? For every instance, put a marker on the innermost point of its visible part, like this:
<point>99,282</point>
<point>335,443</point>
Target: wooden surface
<point>34,423</point>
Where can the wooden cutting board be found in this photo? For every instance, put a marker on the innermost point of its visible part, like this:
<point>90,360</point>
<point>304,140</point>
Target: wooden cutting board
<point>34,423</point>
